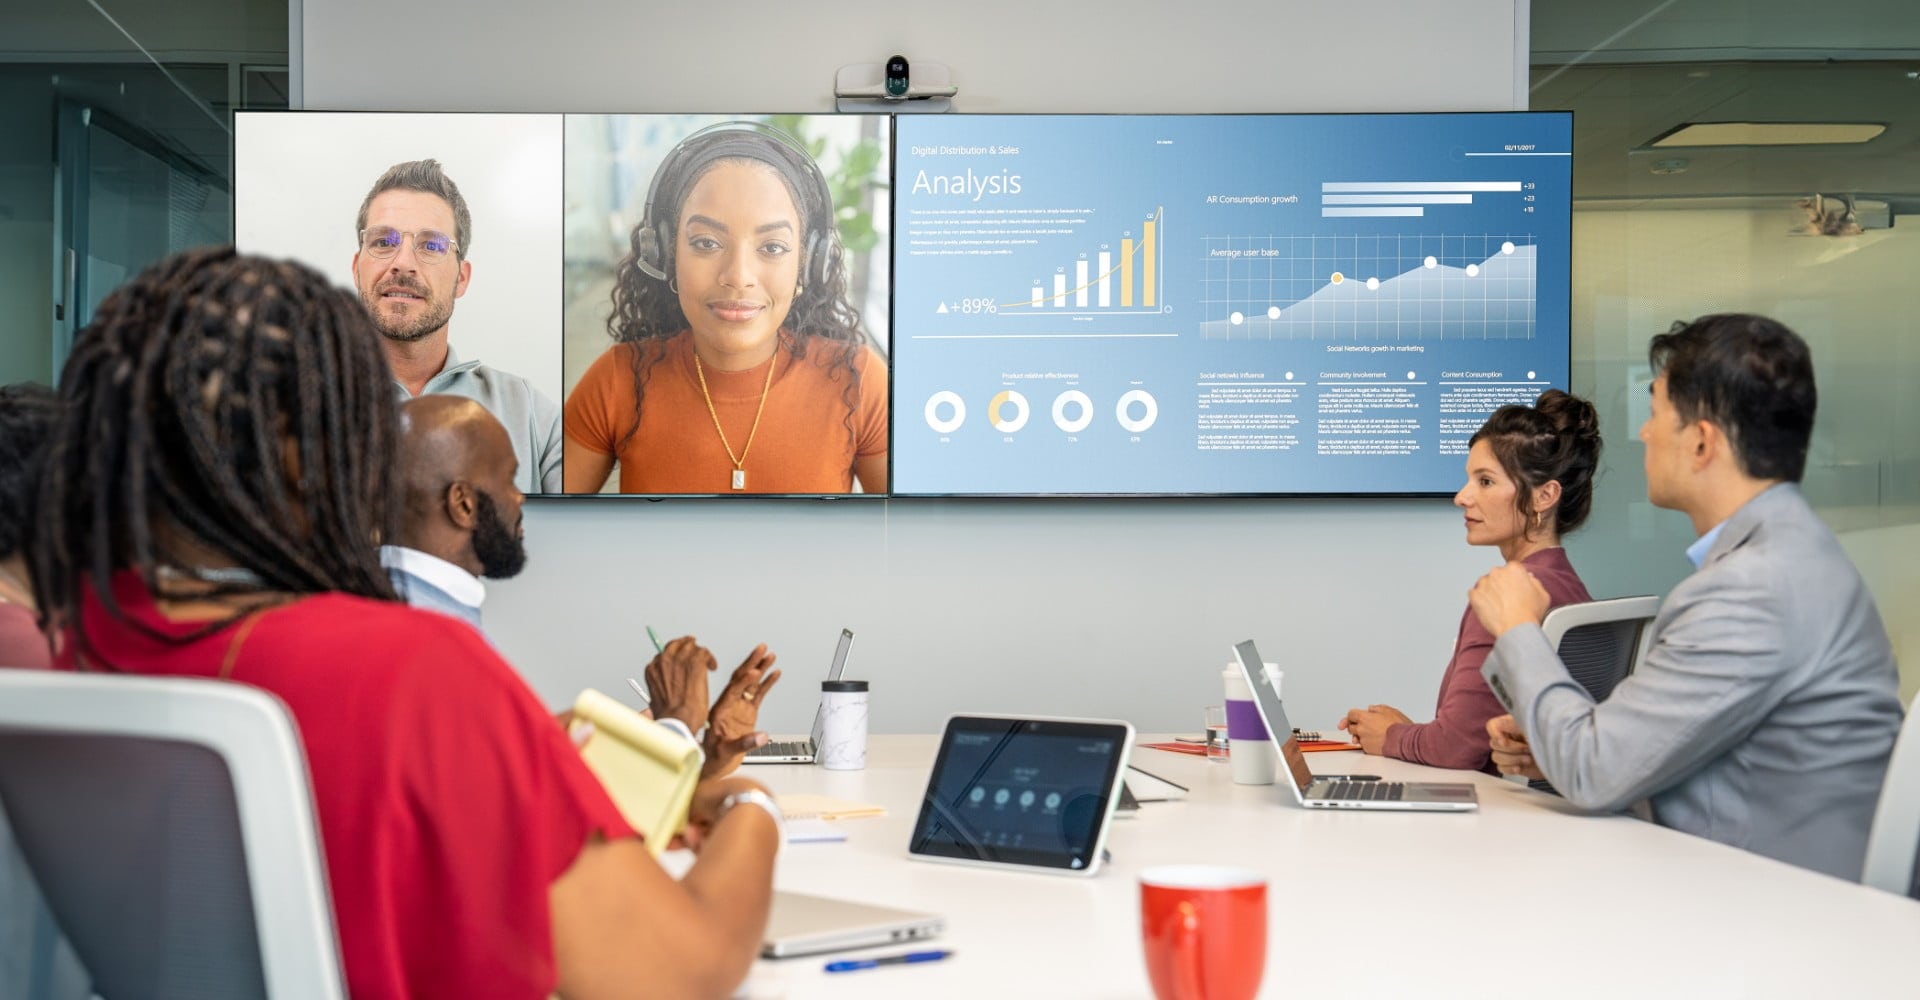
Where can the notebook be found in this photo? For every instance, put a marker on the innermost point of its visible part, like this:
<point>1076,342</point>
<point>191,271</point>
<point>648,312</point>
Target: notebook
<point>647,769</point>
<point>800,749</point>
<point>1422,796</point>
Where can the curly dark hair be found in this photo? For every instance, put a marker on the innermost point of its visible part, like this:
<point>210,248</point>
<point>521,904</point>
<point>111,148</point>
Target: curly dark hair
<point>223,402</point>
<point>646,311</point>
<point>1557,439</point>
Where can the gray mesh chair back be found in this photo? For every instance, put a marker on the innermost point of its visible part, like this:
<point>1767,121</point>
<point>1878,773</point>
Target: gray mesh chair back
<point>1599,642</point>
<point>169,824</point>
<point>1893,842</point>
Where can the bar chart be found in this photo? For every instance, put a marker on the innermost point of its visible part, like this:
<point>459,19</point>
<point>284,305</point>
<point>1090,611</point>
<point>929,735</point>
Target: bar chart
<point>1117,272</point>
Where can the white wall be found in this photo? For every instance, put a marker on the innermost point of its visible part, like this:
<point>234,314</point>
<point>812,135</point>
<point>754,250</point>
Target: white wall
<point>1116,608</point>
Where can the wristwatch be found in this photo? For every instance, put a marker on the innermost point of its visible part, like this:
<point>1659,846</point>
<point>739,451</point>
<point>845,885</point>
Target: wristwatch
<point>759,798</point>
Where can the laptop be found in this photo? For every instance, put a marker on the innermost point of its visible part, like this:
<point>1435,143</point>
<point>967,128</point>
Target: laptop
<point>1422,796</point>
<point>809,925</point>
<point>800,749</point>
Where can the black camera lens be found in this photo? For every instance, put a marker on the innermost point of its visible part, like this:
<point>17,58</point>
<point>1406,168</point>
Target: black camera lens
<point>897,76</point>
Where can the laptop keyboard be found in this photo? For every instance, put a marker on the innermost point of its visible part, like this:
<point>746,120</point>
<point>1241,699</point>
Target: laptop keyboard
<point>1364,791</point>
<point>784,748</point>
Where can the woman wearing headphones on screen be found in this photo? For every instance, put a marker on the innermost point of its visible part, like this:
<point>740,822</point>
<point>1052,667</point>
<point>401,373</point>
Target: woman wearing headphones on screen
<point>214,492</point>
<point>1529,482</point>
<point>738,363</point>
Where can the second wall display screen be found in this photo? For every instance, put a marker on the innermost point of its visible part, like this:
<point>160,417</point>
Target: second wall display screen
<point>1289,304</point>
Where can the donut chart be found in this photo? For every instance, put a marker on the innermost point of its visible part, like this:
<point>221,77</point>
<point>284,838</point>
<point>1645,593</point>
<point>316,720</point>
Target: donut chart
<point>1021,411</point>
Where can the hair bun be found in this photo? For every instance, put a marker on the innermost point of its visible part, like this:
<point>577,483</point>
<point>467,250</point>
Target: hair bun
<point>1571,416</point>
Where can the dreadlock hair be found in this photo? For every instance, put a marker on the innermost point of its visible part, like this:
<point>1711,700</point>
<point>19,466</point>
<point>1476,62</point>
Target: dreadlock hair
<point>646,310</point>
<point>219,403</point>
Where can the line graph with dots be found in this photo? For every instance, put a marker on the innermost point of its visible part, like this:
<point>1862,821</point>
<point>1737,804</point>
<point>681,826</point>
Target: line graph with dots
<point>1369,288</point>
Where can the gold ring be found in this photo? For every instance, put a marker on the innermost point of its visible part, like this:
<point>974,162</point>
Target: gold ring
<point>746,694</point>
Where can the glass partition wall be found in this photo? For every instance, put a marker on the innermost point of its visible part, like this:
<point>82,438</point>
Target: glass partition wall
<point>1802,203</point>
<point>118,126</point>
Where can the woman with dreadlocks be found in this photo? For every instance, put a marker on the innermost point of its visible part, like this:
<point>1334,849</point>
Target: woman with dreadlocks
<point>213,495</point>
<point>738,363</point>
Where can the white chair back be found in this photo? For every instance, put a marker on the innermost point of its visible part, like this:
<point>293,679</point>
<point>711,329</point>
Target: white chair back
<point>1894,841</point>
<point>170,825</point>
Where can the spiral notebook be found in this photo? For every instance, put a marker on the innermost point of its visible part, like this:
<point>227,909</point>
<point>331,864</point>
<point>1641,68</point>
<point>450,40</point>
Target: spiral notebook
<point>1311,740</point>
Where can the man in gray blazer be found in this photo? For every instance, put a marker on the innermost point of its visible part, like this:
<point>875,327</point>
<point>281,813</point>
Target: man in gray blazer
<point>1764,714</point>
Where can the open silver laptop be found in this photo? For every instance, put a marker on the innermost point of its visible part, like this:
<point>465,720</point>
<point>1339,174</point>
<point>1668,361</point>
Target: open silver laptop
<point>1400,795</point>
<point>800,749</point>
<point>809,925</point>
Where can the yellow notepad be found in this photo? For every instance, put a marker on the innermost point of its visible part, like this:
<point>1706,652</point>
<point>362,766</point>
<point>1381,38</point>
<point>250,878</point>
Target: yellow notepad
<point>647,769</point>
<point>804,806</point>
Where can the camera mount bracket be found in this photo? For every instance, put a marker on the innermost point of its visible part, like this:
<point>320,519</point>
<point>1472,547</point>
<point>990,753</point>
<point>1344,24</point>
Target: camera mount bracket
<point>863,87</point>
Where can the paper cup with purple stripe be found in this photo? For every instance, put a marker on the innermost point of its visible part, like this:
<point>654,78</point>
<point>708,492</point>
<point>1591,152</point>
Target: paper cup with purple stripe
<point>1253,755</point>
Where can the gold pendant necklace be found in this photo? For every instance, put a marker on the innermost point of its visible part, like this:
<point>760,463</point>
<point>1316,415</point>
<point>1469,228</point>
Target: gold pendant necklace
<point>740,460</point>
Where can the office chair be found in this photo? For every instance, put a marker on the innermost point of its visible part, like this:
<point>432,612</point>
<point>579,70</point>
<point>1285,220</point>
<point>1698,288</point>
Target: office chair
<point>1599,641</point>
<point>1894,840</point>
<point>170,825</point>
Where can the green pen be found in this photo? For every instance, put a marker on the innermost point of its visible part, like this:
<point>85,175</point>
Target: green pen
<point>639,688</point>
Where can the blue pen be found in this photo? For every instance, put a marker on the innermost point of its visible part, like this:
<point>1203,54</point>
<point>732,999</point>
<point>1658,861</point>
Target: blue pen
<point>656,641</point>
<point>910,958</point>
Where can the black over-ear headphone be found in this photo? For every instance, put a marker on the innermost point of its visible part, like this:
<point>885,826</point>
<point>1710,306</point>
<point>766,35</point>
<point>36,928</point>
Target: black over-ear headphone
<point>751,140</point>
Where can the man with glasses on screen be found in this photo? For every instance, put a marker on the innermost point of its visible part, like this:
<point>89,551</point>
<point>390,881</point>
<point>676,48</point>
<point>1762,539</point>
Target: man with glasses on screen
<point>414,233</point>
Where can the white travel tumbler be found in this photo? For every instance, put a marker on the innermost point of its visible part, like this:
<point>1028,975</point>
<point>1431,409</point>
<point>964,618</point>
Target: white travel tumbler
<point>843,725</point>
<point>1252,754</point>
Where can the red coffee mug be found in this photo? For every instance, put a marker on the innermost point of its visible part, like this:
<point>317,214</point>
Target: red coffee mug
<point>1204,929</point>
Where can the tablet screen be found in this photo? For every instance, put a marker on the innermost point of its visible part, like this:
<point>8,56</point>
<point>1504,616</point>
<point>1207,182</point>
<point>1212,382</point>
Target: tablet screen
<point>1021,791</point>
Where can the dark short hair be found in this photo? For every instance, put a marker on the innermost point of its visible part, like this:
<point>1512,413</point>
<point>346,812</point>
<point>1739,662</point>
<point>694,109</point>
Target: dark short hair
<point>1751,377</point>
<point>426,177</point>
<point>27,413</point>
<point>1557,439</point>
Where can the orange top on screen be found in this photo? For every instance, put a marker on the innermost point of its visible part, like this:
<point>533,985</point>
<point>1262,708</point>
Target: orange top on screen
<point>801,445</point>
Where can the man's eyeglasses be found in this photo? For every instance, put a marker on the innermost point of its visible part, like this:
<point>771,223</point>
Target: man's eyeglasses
<point>429,245</point>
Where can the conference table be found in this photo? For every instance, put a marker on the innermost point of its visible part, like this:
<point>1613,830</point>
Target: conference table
<point>1525,897</point>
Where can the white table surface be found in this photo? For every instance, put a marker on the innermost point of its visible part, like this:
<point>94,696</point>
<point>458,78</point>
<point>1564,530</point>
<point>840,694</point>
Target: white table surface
<point>1523,898</point>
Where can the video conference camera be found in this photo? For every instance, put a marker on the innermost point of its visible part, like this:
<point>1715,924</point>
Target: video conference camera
<point>894,86</point>
<point>897,78</point>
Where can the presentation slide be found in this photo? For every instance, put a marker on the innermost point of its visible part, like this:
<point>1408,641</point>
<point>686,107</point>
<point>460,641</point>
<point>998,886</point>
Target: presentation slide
<point>1267,304</point>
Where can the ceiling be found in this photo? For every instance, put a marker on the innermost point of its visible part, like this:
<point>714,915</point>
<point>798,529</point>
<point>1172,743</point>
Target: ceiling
<point>1631,70</point>
<point>1619,109</point>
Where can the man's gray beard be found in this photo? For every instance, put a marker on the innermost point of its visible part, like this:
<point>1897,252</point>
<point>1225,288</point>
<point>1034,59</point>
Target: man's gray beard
<point>411,332</point>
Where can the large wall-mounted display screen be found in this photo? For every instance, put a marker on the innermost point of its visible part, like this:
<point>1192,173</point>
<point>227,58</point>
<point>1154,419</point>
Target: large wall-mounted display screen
<point>1284,304</point>
<point>730,305</point>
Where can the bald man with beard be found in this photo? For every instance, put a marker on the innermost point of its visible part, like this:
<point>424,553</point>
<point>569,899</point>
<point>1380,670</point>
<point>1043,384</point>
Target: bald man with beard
<point>462,523</point>
<point>462,510</point>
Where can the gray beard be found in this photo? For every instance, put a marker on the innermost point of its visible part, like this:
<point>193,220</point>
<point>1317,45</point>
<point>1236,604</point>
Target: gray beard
<point>408,333</point>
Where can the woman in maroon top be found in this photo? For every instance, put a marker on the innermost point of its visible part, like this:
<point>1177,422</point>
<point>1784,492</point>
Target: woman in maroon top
<point>1529,482</point>
<point>214,493</point>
